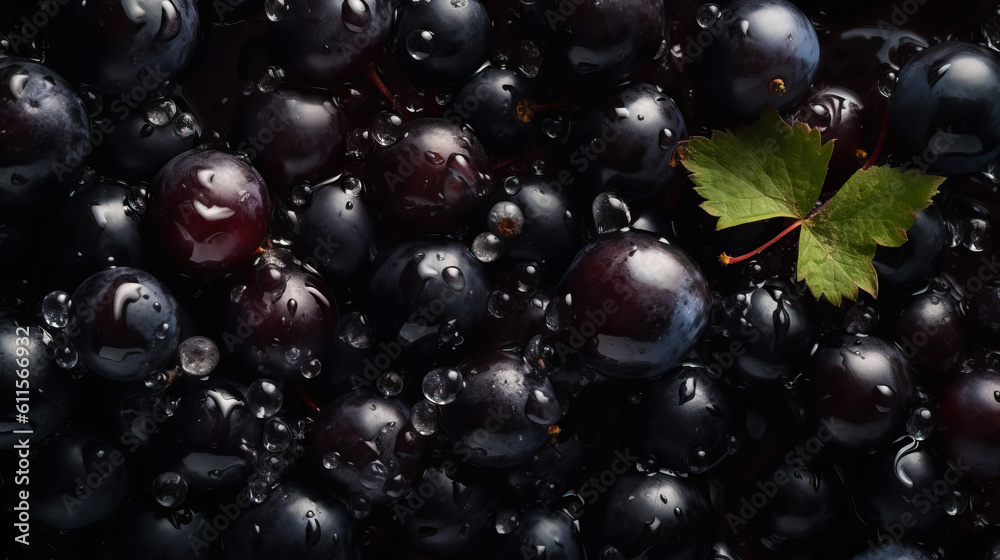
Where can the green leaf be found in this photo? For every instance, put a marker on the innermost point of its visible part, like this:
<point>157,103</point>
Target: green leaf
<point>874,207</point>
<point>767,170</point>
<point>774,170</point>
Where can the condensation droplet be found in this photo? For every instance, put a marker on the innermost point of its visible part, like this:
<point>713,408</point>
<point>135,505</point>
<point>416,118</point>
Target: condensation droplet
<point>420,44</point>
<point>264,398</point>
<point>424,417</point>
<point>390,384</point>
<point>55,309</point>
<point>707,14</point>
<point>198,356</point>
<point>610,213</point>
<point>487,247</point>
<point>170,489</point>
<point>505,219</point>
<point>442,385</point>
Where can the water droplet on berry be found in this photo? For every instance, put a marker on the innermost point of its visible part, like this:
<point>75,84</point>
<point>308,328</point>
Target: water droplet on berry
<point>505,219</point>
<point>388,128</point>
<point>55,309</point>
<point>424,417</point>
<point>420,44</point>
<point>356,15</point>
<point>390,384</point>
<point>610,213</point>
<point>707,14</point>
<point>359,506</point>
<point>275,9</point>
<point>454,278</point>
<point>264,398</point>
<point>198,356</point>
<point>541,408</point>
<point>311,368</point>
<point>277,435</point>
<point>170,489</point>
<point>487,247</point>
<point>442,385</point>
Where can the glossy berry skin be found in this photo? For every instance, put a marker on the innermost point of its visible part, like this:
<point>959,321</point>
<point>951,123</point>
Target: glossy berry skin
<point>26,364</point>
<point>495,102</point>
<point>362,444</point>
<point>208,210</point>
<point>455,512</point>
<point>653,516</point>
<point>552,218</point>
<point>211,438</point>
<point>626,143</point>
<point>440,42</point>
<point>985,310</point>
<point>965,410</point>
<point>426,294</point>
<point>124,47</point>
<point>756,44</point>
<point>431,179</point>
<point>333,232</point>
<point>697,409</point>
<point>502,415</point>
<point>842,114</point>
<point>144,529</point>
<point>90,231</point>
<point>291,135</point>
<point>911,266</point>
<point>123,323</point>
<point>806,498</point>
<point>78,480</point>
<point>144,140</point>
<point>544,532</point>
<point>279,319</point>
<point>298,520</point>
<point>901,479</point>
<point>765,335</point>
<point>597,43</point>
<point>45,136</point>
<point>632,305</point>
<point>860,390</point>
<point>322,43</point>
<point>944,107</point>
<point>561,466</point>
<point>931,331</point>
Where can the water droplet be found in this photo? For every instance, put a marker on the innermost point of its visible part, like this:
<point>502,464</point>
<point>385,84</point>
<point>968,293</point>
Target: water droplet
<point>610,213</point>
<point>500,304</point>
<point>442,385</point>
<point>487,247</point>
<point>55,309</point>
<point>505,219</point>
<point>920,425</point>
<point>264,398</point>
<point>292,355</point>
<point>883,397</point>
<point>277,435</point>
<point>258,490</point>
<point>542,408</point>
<point>388,128</point>
<point>529,58</point>
<point>512,186</point>
<point>975,234</point>
<point>886,83</point>
<point>301,193</point>
<point>170,489</point>
<point>137,199</point>
<point>159,111</point>
<point>506,521</point>
<point>707,14</point>
<point>161,331</point>
<point>390,384</point>
<point>198,356</point>
<point>275,9</point>
<point>356,333</point>
<point>454,278</point>
<point>420,44</point>
<point>610,553</point>
<point>667,139</point>
<point>331,460</point>
<point>67,357</point>
<point>359,143</point>
<point>424,417</point>
<point>356,15</point>
<point>311,368</point>
<point>185,125</point>
<point>861,319</point>
<point>954,502</point>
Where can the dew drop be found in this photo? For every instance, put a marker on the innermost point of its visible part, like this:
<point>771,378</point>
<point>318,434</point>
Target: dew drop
<point>506,220</point>
<point>424,417</point>
<point>331,460</point>
<point>442,385</point>
<point>707,14</point>
<point>311,368</point>
<point>487,247</point>
<point>55,309</point>
<point>420,44</point>
<point>454,278</point>
<point>198,356</point>
<point>275,10</point>
<point>611,213</point>
<point>264,398</point>
<point>277,435</point>
<point>541,408</point>
<point>506,521</point>
<point>170,489</point>
<point>389,384</point>
<point>388,128</point>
